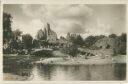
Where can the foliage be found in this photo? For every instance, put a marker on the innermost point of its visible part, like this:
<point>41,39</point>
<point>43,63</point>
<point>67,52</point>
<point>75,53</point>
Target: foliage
<point>72,39</point>
<point>121,42</point>
<point>123,37</point>
<point>36,43</point>
<point>79,40</point>
<point>7,31</point>
<point>76,39</point>
<point>90,40</point>
<point>17,33</point>
<point>112,36</point>
<point>71,50</point>
<point>13,41</point>
<point>99,37</point>
<point>43,53</point>
<point>27,40</point>
<point>16,41</point>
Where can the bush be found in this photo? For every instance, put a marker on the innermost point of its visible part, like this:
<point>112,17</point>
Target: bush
<point>71,50</point>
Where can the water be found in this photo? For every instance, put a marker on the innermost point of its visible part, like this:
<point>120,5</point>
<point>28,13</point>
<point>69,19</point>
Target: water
<point>39,72</point>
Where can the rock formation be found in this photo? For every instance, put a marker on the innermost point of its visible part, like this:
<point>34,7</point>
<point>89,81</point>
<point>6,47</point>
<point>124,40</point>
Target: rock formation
<point>47,34</point>
<point>40,35</point>
<point>106,46</point>
<point>105,43</point>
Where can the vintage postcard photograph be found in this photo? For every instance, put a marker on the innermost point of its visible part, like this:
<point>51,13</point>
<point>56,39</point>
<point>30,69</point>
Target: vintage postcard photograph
<point>64,42</point>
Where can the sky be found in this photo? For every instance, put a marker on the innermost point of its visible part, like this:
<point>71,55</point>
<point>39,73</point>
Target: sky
<point>84,19</point>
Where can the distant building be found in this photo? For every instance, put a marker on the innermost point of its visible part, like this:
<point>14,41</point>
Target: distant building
<point>70,36</point>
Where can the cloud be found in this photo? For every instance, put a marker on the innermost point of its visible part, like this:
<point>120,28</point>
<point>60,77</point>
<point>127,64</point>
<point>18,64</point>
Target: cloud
<point>65,26</point>
<point>33,11</point>
<point>73,18</point>
<point>74,12</point>
<point>63,18</point>
<point>31,27</point>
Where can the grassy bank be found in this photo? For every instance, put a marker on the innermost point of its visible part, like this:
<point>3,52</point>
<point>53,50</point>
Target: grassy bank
<point>61,60</point>
<point>13,61</point>
<point>12,77</point>
<point>82,61</point>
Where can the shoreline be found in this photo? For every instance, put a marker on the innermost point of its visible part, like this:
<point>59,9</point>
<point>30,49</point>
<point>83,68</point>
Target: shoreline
<point>80,61</point>
<point>95,60</point>
<point>75,64</point>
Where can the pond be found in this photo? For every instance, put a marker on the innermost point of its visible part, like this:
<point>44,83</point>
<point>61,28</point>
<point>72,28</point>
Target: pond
<point>38,72</point>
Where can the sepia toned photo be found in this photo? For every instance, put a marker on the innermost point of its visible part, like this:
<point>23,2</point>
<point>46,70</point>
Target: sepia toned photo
<point>64,42</point>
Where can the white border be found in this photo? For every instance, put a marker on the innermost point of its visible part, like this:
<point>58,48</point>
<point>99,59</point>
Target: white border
<point>1,56</point>
<point>56,2</point>
<point>65,1</point>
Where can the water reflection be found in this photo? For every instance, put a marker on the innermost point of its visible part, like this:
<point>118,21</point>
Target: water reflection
<point>73,73</point>
<point>120,71</point>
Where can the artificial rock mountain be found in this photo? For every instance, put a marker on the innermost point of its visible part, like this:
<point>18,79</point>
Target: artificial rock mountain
<point>47,34</point>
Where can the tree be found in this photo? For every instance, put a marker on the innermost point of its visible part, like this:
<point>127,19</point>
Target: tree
<point>17,34</point>
<point>72,50</point>
<point>99,37</point>
<point>112,36</point>
<point>36,43</point>
<point>76,39</point>
<point>72,39</point>
<point>79,40</point>
<point>123,37</point>
<point>7,31</point>
<point>89,41</point>
<point>27,40</point>
<point>121,44</point>
<point>16,41</point>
